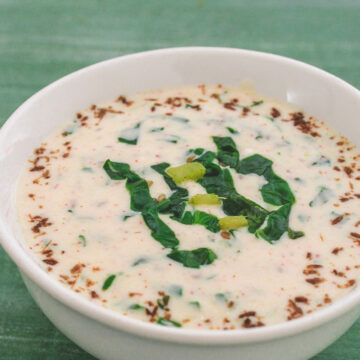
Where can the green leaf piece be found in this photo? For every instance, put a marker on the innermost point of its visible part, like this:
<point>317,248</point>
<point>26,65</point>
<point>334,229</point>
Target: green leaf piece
<point>164,322</point>
<point>277,224</point>
<point>130,136</point>
<point>193,258</point>
<point>108,282</point>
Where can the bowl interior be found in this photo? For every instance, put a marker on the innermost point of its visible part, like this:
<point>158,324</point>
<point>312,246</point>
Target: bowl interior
<point>313,90</point>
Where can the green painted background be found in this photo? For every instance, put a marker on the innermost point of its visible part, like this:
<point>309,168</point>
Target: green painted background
<point>41,41</point>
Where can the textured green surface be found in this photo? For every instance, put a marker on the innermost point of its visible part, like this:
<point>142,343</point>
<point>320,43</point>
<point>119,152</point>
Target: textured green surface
<point>41,41</point>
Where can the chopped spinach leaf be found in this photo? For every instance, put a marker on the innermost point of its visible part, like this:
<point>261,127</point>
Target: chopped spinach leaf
<point>256,103</point>
<point>176,290</point>
<point>83,239</point>
<point>227,152</point>
<point>136,307</point>
<point>159,230</point>
<point>277,223</point>
<point>269,118</point>
<point>141,201</point>
<point>108,282</point>
<point>140,261</point>
<point>210,222</point>
<point>197,151</point>
<point>322,161</point>
<point>157,129</point>
<point>163,302</point>
<point>193,258</point>
<point>130,136</point>
<point>195,304</point>
<point>295,234</point>
<point>164,322</point>
<point>222,297</point>
<point>231,130</point>
<point>322,197</point>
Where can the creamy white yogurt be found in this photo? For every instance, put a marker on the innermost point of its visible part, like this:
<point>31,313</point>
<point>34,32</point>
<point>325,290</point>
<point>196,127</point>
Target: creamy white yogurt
<point>78,224</point>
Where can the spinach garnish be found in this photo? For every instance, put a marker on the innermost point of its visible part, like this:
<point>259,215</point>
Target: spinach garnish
<point>195,304</point>
<point>275,192</point>
<point>87,169</point>
<point>321,161</point>
<point>108,282</point>
<point>256,103</point>
<point>222,297</point>
<point>163,302</point>
<point>141,201</point>
<point>216,180</point>
<point>176,290</point>
<point>193,258</point>
<point>164,322</point>
<point>231,130</point>
<point>157,129</point>
<point>140,261</point>
<point>210,222</point>
<point>136,307</point>
<point>82,239</point>
<point>175,204</point>
<point>227,152</point>
<point>277,224</point>
<point>130,136</point>
<point>322,197</point>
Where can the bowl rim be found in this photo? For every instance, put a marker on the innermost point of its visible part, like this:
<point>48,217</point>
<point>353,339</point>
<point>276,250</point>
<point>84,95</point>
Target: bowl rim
<point>108,317</point>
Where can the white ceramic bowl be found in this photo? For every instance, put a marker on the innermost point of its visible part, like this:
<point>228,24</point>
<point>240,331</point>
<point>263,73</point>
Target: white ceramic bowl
<point>106,334</point>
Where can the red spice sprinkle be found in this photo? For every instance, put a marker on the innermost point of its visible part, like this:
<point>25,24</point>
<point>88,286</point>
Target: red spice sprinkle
<point>245,111</point>
<point>41,222</point>
<point>77,269</point>
<point>306,127</point>
<point>337,220</point>
<point>230,304</point>
<point>309,255</point>
<point>229,106</point>
<point>315,281</point>
<point>50,261</point>
<point>301,299</point>
<point>314,266</point>
<point>338,273</point>
<point>39,151</point>
<point>225,235</point>
<point>48,253</point>
<point>275,113</point>
<point>355,235</point>
<point>124,100</point>
<point>337,250</point>
<point>132,294</point>
<point>94,294</point>
<point>348,170</point>
<point>249,324</point>
<point>294,311</point>
<point>247,314</point>
<point>89,283</point>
